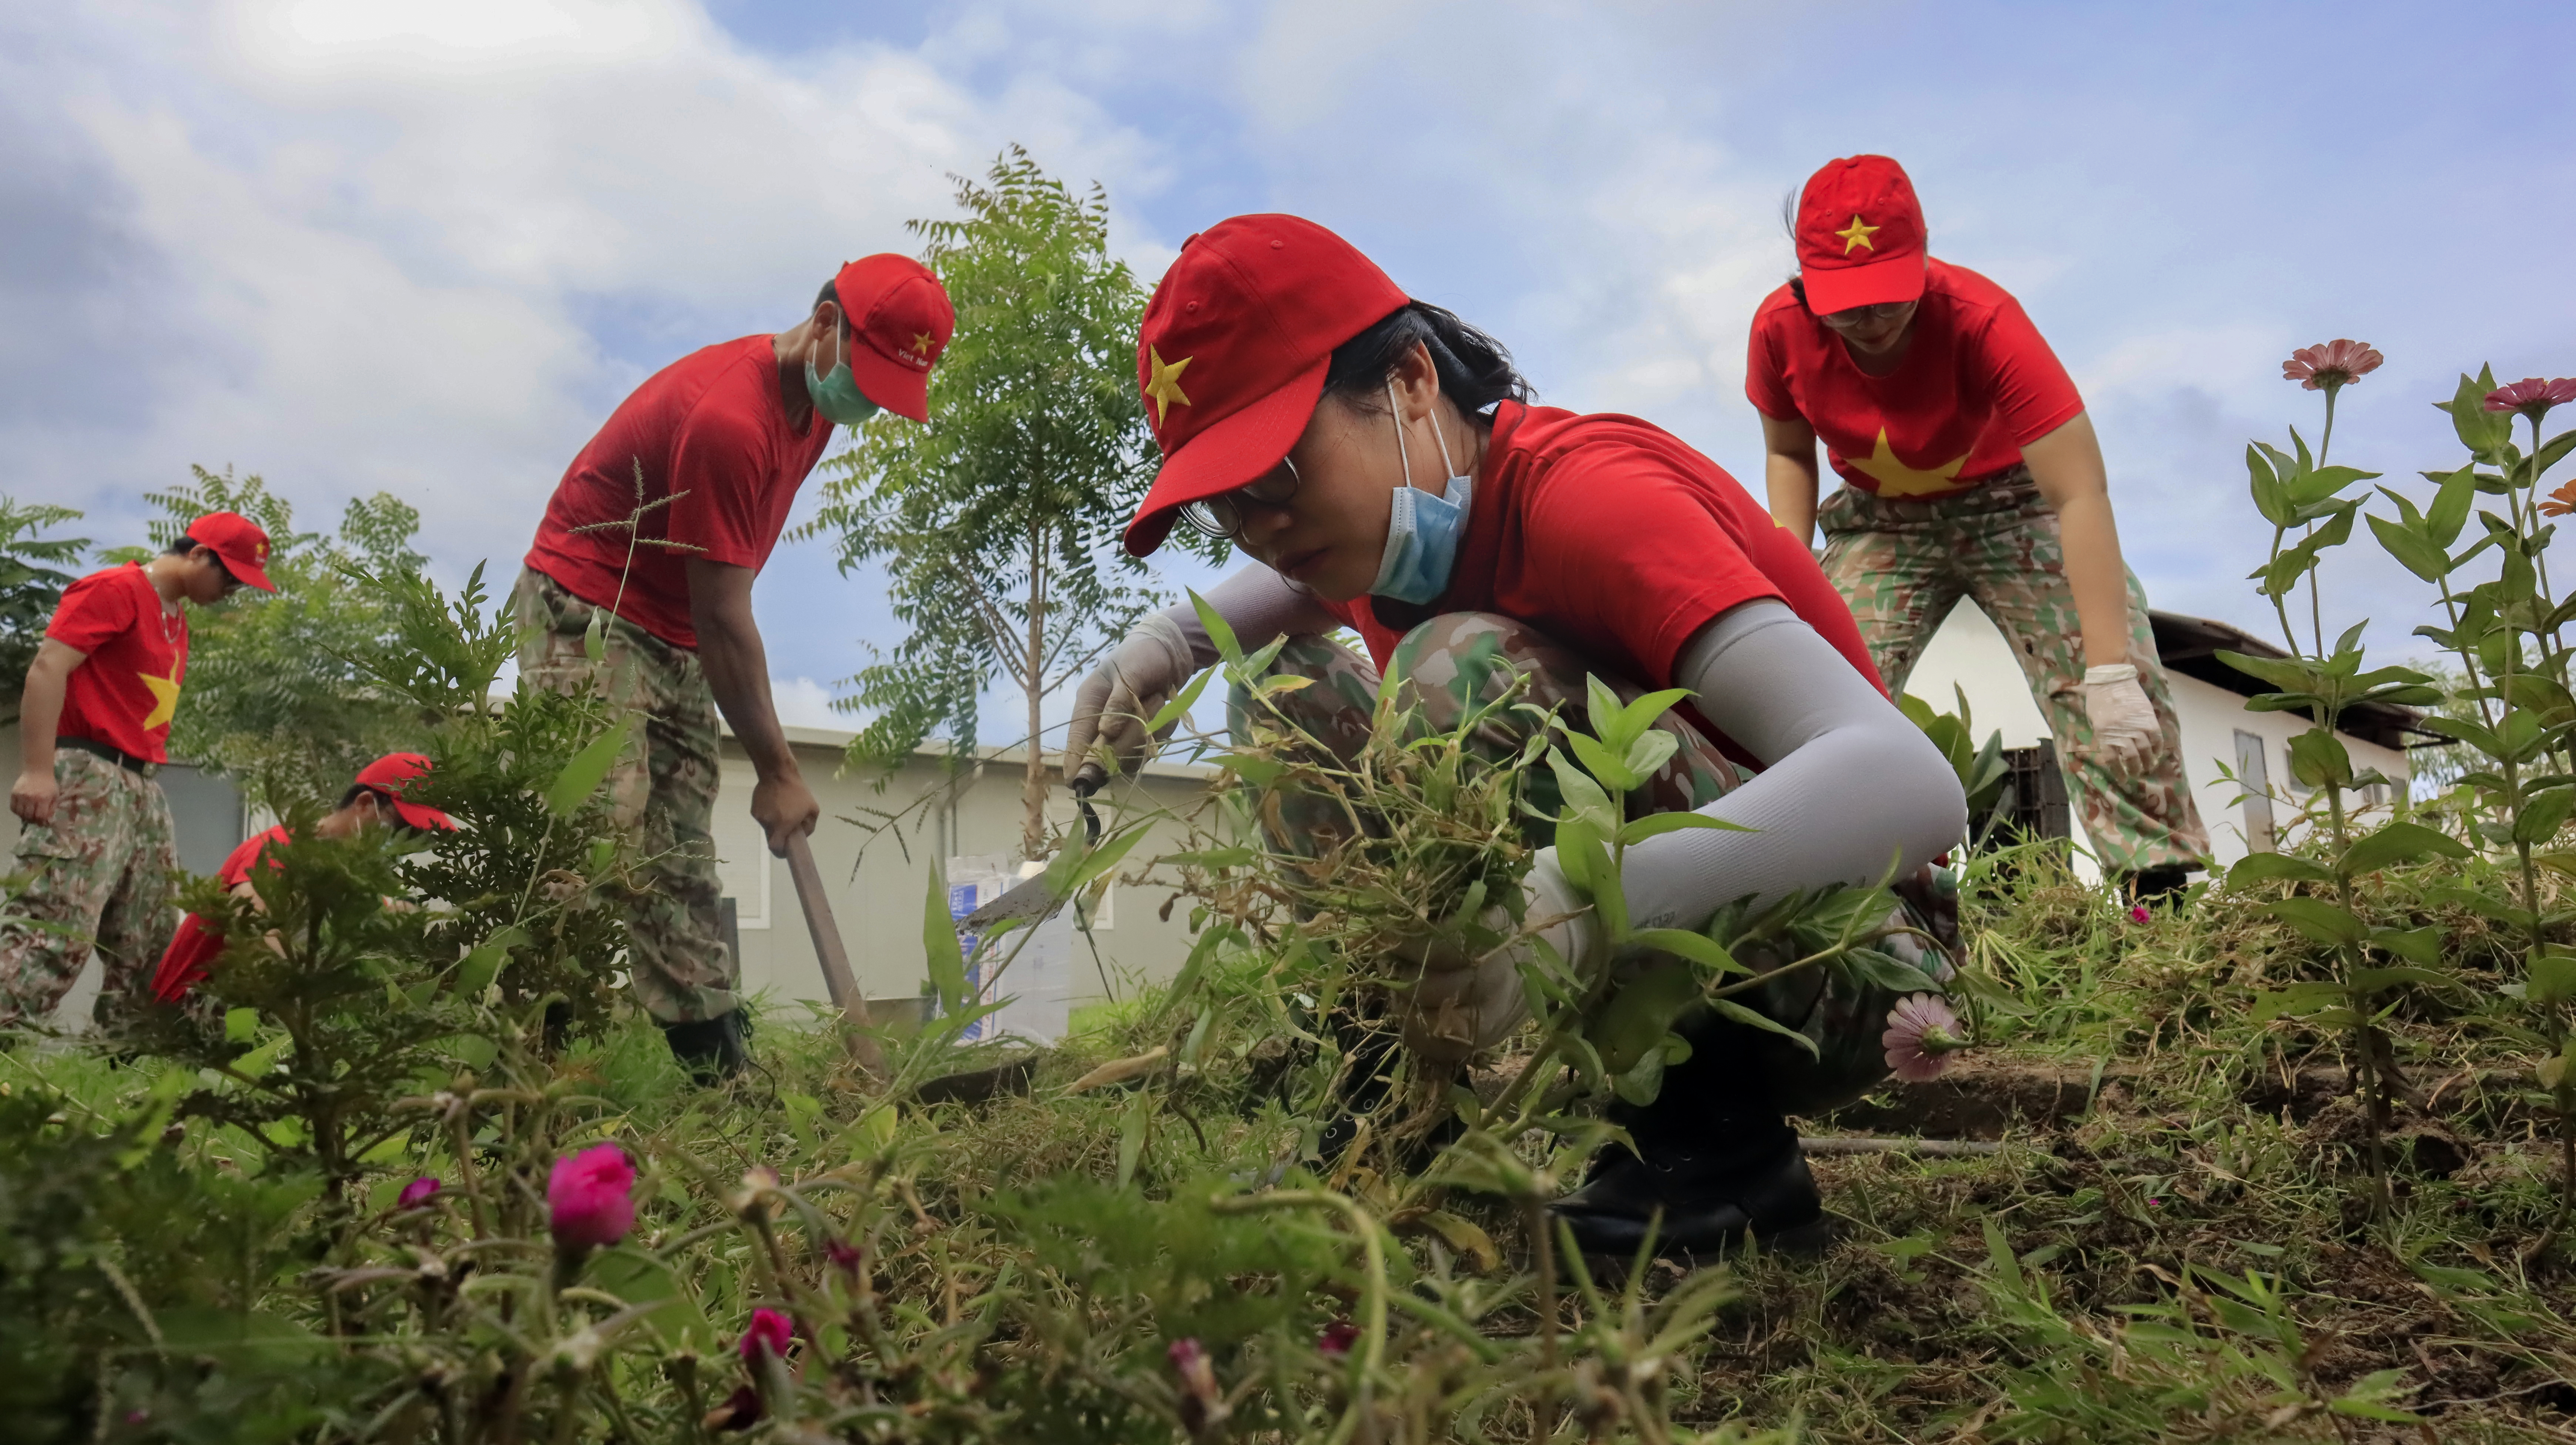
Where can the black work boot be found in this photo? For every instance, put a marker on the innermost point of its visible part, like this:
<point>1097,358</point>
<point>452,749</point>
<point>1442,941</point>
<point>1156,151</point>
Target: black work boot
<point>1714,1154</point>
<point>2162,885</point>
<point>712,1050</point>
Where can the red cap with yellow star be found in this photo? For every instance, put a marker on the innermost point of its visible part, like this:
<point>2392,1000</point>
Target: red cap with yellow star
<point>239,541</point>
<point>1860,235</point>
<point>1233,352</point>
<point>901,316</point>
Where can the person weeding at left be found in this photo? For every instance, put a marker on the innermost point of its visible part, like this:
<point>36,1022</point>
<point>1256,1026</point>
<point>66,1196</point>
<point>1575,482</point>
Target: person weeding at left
<point>655,535</point>
<point>1380,460</point>
<point>374,800</point>
<point>94,726</point>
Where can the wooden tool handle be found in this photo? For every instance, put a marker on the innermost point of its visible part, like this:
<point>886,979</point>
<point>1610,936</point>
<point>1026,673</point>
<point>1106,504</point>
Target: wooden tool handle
<point>835,959</point>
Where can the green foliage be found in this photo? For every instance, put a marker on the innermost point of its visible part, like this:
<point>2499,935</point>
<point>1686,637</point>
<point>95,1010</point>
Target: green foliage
<point>273,697</point>
<point>996,524</point>
<point>32,578</point>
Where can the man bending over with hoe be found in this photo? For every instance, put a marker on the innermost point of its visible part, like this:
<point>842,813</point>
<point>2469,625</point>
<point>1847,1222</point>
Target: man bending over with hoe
<point>653,537</point>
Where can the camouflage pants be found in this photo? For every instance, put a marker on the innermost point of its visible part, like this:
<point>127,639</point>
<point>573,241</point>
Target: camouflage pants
<point>662,793</point>
<point>99,874</point>
<point>1455,664</point>
<point>1902,565</point>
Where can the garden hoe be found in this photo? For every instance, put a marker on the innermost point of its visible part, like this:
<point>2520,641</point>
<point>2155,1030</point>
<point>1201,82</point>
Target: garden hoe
<point>1030,899</point>
<point>837,978</point>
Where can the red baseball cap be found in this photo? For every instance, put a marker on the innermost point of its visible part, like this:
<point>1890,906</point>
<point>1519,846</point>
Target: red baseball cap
<point>1232,355</point>
<point>902,320</point>
<point>1860,235</point>
<point>239,541</point>
<point>390,776</point>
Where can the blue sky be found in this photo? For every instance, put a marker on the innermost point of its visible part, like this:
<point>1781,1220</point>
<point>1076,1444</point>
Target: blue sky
<point>424,248</point>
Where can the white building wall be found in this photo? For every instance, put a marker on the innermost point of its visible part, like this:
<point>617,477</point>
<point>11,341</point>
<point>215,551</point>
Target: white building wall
<point>1967,653</point>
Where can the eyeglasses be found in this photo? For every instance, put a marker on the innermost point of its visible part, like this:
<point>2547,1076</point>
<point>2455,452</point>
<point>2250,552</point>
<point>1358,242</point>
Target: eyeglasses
<point>1859,315</point>
<point>1222,516</point>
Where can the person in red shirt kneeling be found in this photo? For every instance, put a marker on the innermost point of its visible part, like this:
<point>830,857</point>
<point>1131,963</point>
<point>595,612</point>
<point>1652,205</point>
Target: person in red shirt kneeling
<point>1970,470</point>
<point>1381,462</point>
<point>374,800</point>
<point>93,730</point>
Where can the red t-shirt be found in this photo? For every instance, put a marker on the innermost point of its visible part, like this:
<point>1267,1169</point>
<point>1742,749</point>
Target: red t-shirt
<point>710,427</point>
<point>1977,384</point>
<point>195,947</point>
<point>128,690</point>
<point>1616,539</point>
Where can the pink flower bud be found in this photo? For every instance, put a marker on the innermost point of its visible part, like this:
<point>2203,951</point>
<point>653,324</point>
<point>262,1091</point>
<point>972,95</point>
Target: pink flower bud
<point>590,1198</point>
<point>2137,913</point>
<point>415,1195</point>
<point>843,1254</point>
<point>1338,1338</point>
<point>770,1331</point>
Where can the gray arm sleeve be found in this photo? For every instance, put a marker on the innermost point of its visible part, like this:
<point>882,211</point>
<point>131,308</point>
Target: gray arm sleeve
<point>1259,605</point>
<point>1850,786</point>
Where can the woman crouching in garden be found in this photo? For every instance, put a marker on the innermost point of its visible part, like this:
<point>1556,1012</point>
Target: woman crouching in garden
<point>1380,461</point>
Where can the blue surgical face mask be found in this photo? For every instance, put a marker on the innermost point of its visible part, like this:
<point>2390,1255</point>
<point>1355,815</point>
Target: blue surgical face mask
<point>837,395</point>
<point>1422,531</point>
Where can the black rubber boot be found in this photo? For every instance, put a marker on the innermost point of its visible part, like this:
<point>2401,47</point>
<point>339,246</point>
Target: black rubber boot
<point>1714,1154</point>
<point>712,1050</point>
<point>2160,886</point>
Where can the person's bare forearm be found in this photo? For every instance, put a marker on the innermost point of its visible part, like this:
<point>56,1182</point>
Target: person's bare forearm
<point>40,715</point>
<point>1790,475</point>
<point>2067,466</point>
<point>1790,487</point>
<point>737,668</point>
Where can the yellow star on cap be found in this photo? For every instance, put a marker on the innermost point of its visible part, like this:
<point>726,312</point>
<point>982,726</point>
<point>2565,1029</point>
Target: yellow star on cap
<point>1165,384</point>
<point>1896,479</point>
<point>921,342</point>
<point>1857,234</point>
<point>165,698</point>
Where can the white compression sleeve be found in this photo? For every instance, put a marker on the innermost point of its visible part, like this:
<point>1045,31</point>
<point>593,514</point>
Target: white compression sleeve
<point>1259,605</point>
<point>1850,786</point>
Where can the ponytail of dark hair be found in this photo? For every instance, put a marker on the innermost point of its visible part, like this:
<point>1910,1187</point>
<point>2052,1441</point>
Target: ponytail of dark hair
<point>1475,370</point>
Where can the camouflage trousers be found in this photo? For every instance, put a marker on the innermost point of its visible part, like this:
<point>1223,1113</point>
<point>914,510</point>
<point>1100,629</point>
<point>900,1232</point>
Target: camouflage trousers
<point>1454,665</point>
<point>98,876</point>
<point>1902,565</point>
<point>661,792</point>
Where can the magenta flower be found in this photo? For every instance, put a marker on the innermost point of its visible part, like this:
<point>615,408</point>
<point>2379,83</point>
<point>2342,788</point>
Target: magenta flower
<point>2532,396</point>
<point>1338,1338</point>
<point>1921,1035</point>
<point>843,1254</point>
<point>415,1195</point>
<point>770,1331</point>
<point>1203,1405</point>
<point>2137,913</point>
<point>2331,363</point>
<point>590,1198</point>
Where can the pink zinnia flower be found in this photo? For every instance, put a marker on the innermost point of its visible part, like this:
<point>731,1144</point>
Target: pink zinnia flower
<point>2532,396</point>
<point>1338,1338</point>
<point>1920,1037</point>
<point>590,1198</point>
<point>415,1195</point>
<point>770,1331</point>
<point>2331,363</point>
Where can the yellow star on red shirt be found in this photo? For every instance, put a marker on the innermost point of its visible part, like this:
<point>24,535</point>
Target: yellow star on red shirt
<point>165,699</point>
<point>1857,234</point>
<point>1164,386</point>
<point>1896,479</point>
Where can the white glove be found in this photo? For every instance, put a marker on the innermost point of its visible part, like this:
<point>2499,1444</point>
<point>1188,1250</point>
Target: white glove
<point>1456,1006</point>
<point>1122,694</point>
<point>2125,731</point>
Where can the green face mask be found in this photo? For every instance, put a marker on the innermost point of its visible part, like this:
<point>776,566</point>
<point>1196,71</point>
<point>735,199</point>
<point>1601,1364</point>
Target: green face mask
<point>837,395</point>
